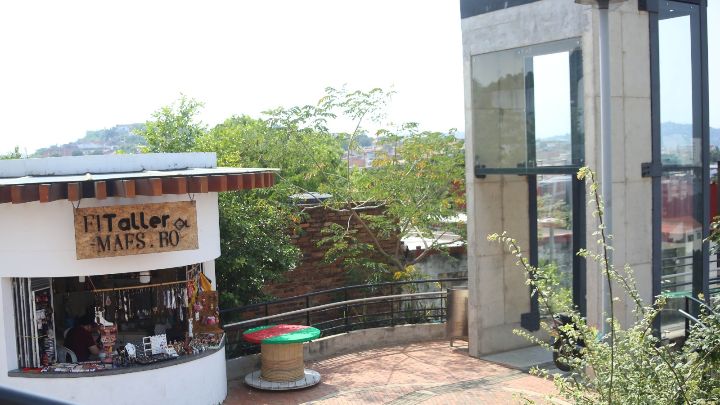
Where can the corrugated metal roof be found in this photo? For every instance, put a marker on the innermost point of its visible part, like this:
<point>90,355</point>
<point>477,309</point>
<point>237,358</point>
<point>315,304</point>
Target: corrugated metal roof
<point>14,181</point>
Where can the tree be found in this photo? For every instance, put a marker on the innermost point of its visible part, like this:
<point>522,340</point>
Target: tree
<point>15,154</point>
<point>303,155</point>
<point>175,127</point>
<point>254,231</point>
<point>417,179</point>
<point>255,247</point>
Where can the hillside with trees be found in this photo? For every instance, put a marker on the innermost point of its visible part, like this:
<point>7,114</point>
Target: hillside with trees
<point>118,139</point>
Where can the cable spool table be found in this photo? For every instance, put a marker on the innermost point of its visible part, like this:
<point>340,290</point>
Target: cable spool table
<point>281,348</point>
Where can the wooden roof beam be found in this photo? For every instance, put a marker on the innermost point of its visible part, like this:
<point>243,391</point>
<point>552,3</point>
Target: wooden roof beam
<point>269,179</point>
<point>150,187</point>
<point>52,192</point>
<point>198,184</point>
<point>5,194</point>
<point>234,182</point>
<point>174,185</point>
<point>74,191</point>
<point>23,193</point>
<point>217,183</point>
<point>100,189</point>
<point>259,180</point>
<point>123,188</point>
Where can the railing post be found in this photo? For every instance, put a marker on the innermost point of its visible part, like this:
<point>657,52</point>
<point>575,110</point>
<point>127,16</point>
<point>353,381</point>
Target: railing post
<point>347,318</point>
<point>392,312</point>
<point>266,313</point>
<point>307,314</point>
<point>347,310</point>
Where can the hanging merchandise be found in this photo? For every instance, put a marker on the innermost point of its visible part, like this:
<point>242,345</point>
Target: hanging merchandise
<point>207,315</point>
<point>205,284</point>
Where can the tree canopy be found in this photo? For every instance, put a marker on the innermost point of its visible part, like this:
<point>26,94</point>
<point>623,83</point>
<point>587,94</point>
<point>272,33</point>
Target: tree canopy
<point>416,180</point>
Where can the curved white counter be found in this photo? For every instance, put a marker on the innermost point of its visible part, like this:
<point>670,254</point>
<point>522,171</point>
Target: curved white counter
<point>198,381</point>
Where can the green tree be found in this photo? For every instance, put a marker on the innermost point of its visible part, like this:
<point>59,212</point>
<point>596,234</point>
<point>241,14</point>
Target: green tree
<point>417,182</point>
<point>254,231</point>
<point>303,155</point>
<point>174,128</point>
<point>255,247</point>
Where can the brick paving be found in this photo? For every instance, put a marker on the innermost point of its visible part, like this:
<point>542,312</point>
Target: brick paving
<point>425,373</point>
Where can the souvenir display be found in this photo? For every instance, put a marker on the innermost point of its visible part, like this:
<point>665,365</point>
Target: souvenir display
<point>173,309</point>
<point>206,315</point>
<point>44,326</point>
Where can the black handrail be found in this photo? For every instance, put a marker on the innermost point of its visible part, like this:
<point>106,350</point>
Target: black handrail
<point>344,315</point>
<point>339,289</point>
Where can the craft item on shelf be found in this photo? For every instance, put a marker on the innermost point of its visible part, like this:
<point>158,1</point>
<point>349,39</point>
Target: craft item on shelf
<point>205,284</point>
<point>206,315</point>
<point>108,336</point>
<point>155,344</point>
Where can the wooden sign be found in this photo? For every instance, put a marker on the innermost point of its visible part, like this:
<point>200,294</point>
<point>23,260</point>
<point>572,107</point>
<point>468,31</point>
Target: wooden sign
<point>123,230</point>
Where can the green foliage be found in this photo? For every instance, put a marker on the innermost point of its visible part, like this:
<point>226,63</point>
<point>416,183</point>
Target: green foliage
<point>416,184</point>
<point>304,155</point>
<point>174,128</point>
<point>15,154</point>
<point>626,366</point>
<point>255,246</point>
<point>254,228</point>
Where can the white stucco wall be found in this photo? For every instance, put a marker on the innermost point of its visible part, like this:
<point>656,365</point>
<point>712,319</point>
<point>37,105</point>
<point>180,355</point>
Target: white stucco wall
<point>38,239</point>
<point>199,382</point>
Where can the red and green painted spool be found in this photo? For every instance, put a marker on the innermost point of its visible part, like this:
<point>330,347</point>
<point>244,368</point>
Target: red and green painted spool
<point>281,334</point>
<point>281,347</point>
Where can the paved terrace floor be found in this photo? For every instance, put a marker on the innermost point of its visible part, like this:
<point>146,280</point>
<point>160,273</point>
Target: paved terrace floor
<point>424,373</point>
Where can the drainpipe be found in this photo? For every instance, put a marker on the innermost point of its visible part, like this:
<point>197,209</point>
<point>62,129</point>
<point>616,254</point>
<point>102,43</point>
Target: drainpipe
<point>605,136</point>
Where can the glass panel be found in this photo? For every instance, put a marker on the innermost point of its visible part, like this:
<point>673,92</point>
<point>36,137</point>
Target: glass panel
<point>522,106</point>
<point>552,109</point>
<point>713,19</point>
<point>678,142</point>
<point>555,236</point>
<point>498,90</point>
<point>681,240</point>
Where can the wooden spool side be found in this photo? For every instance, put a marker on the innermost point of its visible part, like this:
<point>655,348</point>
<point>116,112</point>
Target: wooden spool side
<point>282,362</point>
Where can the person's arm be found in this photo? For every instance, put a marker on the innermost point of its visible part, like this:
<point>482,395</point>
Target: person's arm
<point>90,344</point>
<point>94,350</point>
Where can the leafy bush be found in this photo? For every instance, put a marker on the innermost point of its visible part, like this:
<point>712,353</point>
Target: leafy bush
<point>626,366</point>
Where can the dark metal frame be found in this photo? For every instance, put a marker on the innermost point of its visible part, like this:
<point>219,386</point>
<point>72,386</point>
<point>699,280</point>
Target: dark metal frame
<point>531,319</point>
<point>655,169</point>
<point>470,8</point>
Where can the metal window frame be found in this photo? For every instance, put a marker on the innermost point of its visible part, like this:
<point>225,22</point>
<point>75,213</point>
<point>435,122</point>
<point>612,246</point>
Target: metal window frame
<point>701,124</point>
<point>531,319</point>
<point>471,8</point>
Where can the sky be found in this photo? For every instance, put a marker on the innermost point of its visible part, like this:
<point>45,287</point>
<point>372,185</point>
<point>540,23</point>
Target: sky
<point>69,67</point>
<point>72,66</point>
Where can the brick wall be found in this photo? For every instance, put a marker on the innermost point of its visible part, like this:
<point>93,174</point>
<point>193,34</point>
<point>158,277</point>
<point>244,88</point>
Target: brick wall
<point>313,274</point>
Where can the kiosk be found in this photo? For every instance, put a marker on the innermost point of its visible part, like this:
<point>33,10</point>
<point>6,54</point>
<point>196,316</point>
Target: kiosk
<point>131,241</point>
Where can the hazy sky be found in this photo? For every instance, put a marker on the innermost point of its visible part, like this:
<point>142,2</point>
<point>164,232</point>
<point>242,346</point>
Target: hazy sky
<point>70,66</point>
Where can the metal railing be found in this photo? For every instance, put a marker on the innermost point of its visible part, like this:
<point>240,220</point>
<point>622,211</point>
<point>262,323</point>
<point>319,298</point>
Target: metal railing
<point>342,310</point>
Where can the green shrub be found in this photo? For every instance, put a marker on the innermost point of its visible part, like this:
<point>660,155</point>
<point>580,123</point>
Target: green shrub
<point>628,365</point>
